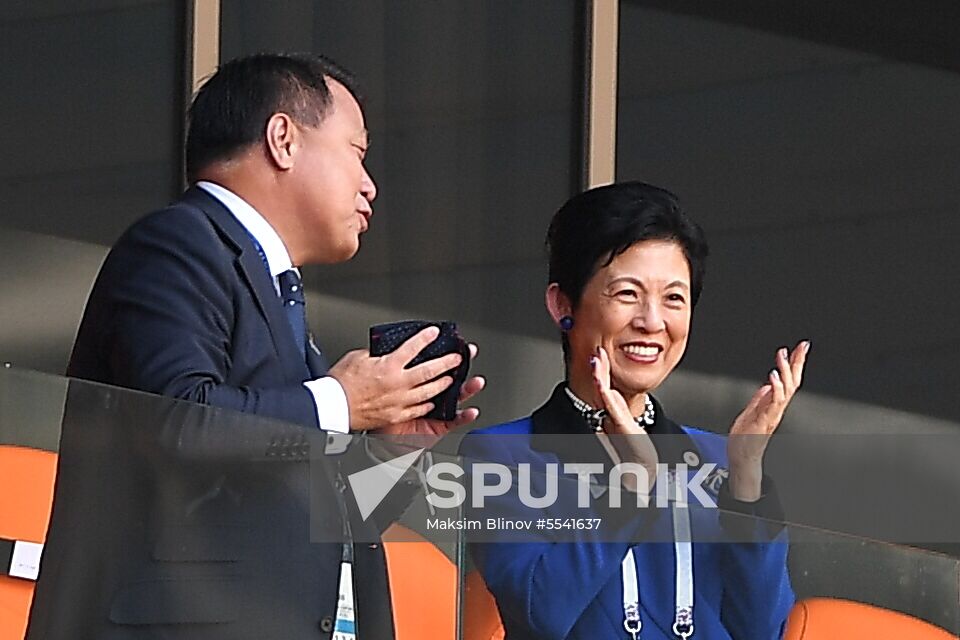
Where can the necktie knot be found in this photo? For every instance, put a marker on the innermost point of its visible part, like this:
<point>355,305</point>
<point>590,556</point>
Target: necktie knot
<point>291,288</point>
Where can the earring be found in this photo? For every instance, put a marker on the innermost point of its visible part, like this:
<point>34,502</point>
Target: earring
<point>566,323</point>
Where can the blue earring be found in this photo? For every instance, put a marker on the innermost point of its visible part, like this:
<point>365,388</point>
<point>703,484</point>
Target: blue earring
<point>566,323</point>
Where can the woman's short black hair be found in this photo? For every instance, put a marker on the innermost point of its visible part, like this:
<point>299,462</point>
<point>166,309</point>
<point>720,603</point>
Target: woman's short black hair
<point>596,226</point>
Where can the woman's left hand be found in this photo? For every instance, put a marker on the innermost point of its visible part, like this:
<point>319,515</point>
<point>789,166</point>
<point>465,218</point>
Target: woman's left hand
<point>752,429</point>
<point>631,442</point>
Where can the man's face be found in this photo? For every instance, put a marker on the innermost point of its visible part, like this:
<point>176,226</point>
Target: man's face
<point>334,190</point>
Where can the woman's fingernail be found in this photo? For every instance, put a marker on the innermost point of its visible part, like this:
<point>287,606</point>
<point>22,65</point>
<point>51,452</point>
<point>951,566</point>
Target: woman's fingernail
<point>783,352</point>
<point>593,362</point>
<point>775,374</point>
<point>806,345</point>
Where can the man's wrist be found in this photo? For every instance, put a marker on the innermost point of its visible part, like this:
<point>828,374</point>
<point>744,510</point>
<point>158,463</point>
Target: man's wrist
<point>333,412</point>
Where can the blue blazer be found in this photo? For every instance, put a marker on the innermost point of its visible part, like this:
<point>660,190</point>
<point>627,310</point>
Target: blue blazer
<point>551,590</point>
<point>172,520</point>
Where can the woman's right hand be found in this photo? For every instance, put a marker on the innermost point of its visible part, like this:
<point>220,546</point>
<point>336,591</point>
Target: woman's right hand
<point>752,429</point>
<point>631,442</point>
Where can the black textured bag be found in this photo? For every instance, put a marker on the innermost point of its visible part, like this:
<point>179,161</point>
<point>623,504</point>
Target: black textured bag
<point>385,338</point>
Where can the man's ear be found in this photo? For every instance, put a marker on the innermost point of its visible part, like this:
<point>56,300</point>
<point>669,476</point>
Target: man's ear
<point>282,140</point>
<point>558,304</point>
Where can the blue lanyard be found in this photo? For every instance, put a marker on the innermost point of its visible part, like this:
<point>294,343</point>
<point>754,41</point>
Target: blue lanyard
<point>260,251</point>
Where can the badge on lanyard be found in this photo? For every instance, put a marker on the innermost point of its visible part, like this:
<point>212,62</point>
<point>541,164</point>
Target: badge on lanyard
<point>345,627</point>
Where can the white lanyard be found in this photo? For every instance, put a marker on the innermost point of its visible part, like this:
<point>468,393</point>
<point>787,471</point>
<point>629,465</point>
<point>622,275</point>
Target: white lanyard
<point>683,554</point>
<point>345,626</point>
<point>631,596</point>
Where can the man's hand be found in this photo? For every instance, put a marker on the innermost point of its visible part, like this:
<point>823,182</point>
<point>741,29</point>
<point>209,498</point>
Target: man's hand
<point>425,427</point>
<point>383,394</point>
<point>421,433</point>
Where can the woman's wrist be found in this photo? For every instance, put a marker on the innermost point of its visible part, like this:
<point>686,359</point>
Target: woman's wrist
<point>746,481</point>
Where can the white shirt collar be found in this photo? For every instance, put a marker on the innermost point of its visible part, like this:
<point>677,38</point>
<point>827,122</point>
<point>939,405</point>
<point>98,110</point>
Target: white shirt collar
<point>256,225</point>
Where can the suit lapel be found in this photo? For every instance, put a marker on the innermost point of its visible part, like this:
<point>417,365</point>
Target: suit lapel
<point>255,275</point>
<point>261,286</point>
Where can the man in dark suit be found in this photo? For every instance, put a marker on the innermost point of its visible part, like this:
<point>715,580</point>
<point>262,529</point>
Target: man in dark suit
<point>202,301</point>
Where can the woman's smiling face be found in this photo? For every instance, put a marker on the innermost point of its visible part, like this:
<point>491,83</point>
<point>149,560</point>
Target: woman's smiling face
<point>638,309</point>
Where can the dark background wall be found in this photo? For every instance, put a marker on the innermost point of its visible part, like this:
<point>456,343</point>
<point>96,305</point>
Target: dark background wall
<point>821,162</point>
<point>826,179</point>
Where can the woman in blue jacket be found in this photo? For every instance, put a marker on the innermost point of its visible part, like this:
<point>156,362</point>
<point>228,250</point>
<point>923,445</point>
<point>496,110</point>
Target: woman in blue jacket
<point>626,270</point>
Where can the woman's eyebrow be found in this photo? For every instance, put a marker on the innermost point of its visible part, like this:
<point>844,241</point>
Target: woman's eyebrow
<point>639,283</point>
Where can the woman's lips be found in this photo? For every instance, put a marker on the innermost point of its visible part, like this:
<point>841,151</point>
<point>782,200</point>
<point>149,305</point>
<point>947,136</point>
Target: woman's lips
<point>641,353</point>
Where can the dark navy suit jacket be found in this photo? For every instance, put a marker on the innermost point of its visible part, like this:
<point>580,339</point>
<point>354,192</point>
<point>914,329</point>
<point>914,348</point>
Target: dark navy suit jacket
<point>184,307</point>
<point>194,525</point>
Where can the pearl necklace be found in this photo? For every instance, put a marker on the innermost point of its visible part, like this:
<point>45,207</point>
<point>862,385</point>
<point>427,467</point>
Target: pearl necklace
<point>594,417</point>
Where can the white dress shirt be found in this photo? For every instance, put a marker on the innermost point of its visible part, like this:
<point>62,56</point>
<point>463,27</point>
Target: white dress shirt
<point>333,413</point>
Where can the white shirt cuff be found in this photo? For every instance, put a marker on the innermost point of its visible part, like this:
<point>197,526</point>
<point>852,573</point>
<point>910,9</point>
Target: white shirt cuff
<point>333,414</point>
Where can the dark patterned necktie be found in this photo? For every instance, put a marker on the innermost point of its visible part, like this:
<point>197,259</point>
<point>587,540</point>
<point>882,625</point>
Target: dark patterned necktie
<point>295,304</point>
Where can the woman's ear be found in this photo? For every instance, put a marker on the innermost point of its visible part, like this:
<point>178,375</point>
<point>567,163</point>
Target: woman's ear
<point>558,304</point>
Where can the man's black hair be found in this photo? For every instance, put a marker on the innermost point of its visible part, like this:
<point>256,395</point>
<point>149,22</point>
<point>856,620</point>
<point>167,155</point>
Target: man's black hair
<point>231,109</point>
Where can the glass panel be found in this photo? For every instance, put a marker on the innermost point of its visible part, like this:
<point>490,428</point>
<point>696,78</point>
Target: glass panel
<point>190,515</point>
<point>920,583</point>
<point>551,545</point>
<point>184,511</point>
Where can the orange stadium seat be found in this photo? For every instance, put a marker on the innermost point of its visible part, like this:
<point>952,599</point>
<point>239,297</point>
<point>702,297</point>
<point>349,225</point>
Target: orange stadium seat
<point>26,495</point>
<point>831,619</point>
<point>423,586</point>
<point>481,619</point>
